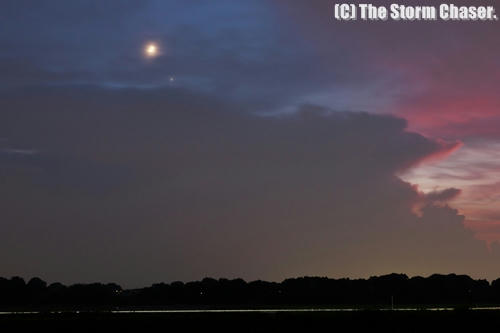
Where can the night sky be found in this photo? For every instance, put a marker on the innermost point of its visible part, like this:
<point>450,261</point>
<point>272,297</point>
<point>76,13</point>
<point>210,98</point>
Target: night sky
<point>146,141</point>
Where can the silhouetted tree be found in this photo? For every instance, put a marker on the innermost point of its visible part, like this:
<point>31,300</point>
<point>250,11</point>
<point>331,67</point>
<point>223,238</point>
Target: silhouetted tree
<point>452,289</point>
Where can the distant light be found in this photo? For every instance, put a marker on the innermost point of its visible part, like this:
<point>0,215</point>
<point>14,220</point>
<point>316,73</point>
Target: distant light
<point>171,79</point>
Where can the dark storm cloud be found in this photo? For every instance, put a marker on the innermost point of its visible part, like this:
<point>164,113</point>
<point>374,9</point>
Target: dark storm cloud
<point>61,176</point>
<point>210,191</point>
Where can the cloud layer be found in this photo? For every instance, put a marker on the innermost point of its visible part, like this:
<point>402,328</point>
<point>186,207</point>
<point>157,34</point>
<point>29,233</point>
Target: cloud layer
<point>168,184</point>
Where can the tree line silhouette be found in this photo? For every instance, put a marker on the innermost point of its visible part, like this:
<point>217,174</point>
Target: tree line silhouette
<point>436,289</point>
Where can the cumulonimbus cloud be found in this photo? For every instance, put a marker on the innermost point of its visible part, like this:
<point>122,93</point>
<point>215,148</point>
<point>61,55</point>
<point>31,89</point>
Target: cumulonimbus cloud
<point>315,192</point>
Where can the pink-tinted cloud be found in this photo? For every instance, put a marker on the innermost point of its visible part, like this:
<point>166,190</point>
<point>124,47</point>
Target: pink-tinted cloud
<point>445,150</point>
<point>443,78</point>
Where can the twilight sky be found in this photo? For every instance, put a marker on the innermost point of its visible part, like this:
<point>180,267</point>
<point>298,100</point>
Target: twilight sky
<point>263,141</point>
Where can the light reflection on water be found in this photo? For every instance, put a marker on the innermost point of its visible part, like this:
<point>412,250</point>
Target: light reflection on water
<point>496,308</point>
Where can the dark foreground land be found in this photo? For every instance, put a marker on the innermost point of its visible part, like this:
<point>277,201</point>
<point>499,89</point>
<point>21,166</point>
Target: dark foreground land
<point>92,307</point>
<point>359,321</point>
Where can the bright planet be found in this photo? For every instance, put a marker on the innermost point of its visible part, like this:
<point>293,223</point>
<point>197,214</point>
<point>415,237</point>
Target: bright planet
<point>151,50</point>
